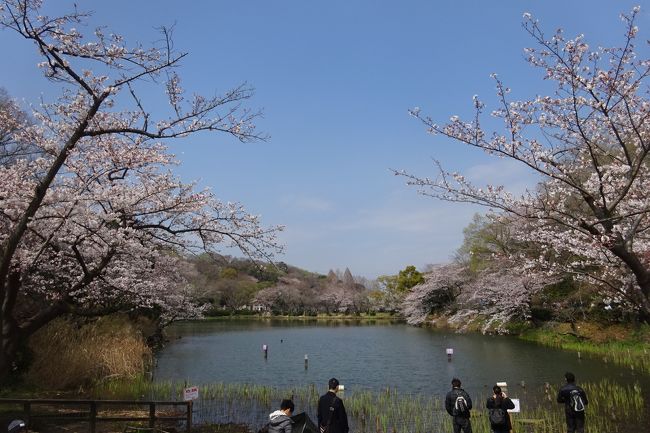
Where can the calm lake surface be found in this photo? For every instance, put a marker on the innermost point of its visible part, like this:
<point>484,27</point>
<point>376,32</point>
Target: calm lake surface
<point>371,356</point>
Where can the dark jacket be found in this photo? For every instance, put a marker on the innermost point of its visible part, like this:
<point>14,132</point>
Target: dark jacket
<point>450,401</point>
<point>564,396</point>
<point>279,422</point>
<point>339,422</point>
<point>505,404</point>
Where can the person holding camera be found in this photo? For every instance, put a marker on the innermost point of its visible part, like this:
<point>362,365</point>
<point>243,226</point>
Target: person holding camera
<point>331,412</point>
<point>498,406</point>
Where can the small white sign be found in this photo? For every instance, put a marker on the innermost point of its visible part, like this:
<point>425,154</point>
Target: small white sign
<point>450,351</point>
<point>191,393</point>
<point>516,403</point>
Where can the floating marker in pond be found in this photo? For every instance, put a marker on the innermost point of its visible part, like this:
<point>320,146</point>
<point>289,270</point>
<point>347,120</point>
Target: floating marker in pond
<point>265,349</point>
<point>306,361</point>
<point>450,352</point>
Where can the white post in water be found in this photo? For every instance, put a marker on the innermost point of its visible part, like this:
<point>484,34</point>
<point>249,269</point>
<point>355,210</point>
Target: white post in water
<point>450,352</point>
<point>265,349</point>
<point>306,361</point>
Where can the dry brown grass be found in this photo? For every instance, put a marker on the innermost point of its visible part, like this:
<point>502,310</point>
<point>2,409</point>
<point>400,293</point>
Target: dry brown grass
<point>67,355</point>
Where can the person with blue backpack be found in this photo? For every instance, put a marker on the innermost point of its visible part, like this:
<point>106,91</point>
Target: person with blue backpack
<point>458,404</point>
<point>575,402</point>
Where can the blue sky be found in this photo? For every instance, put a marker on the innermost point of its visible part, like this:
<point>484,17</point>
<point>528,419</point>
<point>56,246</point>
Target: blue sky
<point>335,80</point>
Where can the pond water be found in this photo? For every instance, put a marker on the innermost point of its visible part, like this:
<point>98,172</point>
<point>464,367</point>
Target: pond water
<point>371,356</point>
<point>366,356</point>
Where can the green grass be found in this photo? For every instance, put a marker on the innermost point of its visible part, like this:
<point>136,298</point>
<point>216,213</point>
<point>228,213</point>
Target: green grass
<point>632,353</point>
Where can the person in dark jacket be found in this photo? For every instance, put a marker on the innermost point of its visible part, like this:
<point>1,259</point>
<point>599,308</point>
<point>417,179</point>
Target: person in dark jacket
<point>280,420</point>
<point>499,403</point>
<point>575,402</point>
<point>331,412</point>
<point>458,404</point>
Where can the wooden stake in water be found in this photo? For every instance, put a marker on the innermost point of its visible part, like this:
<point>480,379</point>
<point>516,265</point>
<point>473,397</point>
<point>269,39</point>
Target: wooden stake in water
<point>265,349</point>
<point>306,361</point>
<point>450,352</point>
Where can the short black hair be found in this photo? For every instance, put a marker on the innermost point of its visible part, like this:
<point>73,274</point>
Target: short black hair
<point>333,383</point>
<point>287,404</point>
<point>570,377</point>
<point>496,389</point>
<point>455,382</point>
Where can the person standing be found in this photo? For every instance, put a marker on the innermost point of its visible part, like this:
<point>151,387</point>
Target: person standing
<point>331,411</point>
<point>280,420</point>
<point>458,404</point>
<point>498,406</point>
<point>575,402</point>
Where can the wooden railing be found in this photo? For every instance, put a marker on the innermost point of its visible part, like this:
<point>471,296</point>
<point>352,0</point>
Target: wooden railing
<point>92,416</point>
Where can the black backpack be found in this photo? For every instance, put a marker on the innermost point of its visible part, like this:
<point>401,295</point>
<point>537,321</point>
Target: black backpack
<point>460,405</point>
<point>575,401</point>
<point>497,417</point>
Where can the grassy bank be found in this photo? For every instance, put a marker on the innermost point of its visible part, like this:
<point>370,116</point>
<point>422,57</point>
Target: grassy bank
<point>623,345</point>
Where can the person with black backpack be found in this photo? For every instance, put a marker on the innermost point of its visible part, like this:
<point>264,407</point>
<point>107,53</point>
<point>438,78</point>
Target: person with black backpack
<point>498,406</point>
<point>458,405</point>
<point>331,412</point>
<point>575,402</point>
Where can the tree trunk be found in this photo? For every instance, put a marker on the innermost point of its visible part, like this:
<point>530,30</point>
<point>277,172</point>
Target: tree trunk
<point>9,341</point>
<point>641,273</point>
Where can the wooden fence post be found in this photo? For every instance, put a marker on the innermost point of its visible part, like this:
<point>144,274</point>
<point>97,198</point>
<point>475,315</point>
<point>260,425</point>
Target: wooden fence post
<point>93,416</point>
<point>27,407</point>
<point>152,414</point>
<point>189,416</point>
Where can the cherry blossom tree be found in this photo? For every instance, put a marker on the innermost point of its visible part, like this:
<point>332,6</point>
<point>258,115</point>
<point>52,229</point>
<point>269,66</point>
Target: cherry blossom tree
<point>441,285</point>
<point>499,294</point>
<point>95,222</point>
<point>503,292</point>
<point>588,143</point>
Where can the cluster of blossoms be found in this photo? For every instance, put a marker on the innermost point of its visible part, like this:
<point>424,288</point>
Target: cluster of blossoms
<point>589,145</point>
<point>92,220</point>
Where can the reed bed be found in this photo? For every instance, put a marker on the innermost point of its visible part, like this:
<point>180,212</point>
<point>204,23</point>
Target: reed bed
<point>612,407</point>
<point>69,356</point>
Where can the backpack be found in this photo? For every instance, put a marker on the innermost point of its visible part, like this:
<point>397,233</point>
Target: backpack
<point>460,406</point>
<point>575,401</point>
<point>498,417</point>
